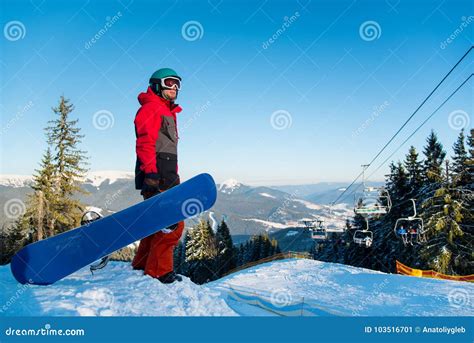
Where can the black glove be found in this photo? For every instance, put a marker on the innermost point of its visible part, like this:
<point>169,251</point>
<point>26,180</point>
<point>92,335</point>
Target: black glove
<point>151,183</point>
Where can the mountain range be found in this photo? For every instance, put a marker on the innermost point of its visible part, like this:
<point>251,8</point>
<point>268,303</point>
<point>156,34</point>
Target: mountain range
<point>247,210</point>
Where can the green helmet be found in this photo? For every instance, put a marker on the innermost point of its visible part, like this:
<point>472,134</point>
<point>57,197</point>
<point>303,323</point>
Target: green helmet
<point>161,74</point>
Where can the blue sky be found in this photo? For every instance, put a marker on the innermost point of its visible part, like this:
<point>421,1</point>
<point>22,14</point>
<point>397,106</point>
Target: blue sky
<point>336,92</point>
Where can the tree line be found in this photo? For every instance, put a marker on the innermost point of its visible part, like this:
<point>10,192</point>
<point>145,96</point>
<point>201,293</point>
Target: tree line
<point>444,191</point>
<point>205,255</point>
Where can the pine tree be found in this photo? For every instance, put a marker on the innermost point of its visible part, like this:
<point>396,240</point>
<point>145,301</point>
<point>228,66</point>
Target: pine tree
<point>12,239</point>
<point>265,248</point>
<point>43,197</point>
<point>449,249</point>
<point>414,172</point>
<point>398,183</point>
<point>434,157</point>
<point>460,171</point>
<point>64,137</point>
<point>201,252</point>
<point>241,255</point>
<point>256,243</point>
<point>226,259</point>
<point>470,162</point>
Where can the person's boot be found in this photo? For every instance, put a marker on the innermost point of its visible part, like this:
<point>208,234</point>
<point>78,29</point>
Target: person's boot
<point>170,277</point>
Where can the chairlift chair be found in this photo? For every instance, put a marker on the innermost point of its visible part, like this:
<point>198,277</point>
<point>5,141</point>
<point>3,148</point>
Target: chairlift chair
<point>375,201</point>
<point>364,237</point>
<point>411,228</point>
<point>317,229</point>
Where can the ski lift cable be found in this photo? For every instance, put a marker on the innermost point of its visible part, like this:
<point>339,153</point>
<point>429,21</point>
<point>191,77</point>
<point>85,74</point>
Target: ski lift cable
<point>409,118</point>
<point>423,123</point>
<point>412,134</point>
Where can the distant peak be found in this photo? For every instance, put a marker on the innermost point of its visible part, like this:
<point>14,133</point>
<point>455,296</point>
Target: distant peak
<point>15,180</point>
<point>228,186</point>
<point>97,177</point>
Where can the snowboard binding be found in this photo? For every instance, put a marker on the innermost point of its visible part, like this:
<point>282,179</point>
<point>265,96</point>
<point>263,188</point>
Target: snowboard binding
<point>87,218</point>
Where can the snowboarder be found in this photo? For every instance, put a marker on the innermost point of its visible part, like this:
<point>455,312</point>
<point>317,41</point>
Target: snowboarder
<point>156,168</point>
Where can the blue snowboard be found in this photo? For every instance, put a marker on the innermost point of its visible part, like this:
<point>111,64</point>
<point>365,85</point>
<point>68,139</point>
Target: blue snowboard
<point>50,260</point>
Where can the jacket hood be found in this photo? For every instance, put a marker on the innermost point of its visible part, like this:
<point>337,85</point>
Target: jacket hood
<point>150,97</point>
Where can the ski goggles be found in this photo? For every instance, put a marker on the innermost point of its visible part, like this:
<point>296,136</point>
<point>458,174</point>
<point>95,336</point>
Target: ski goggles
<point>171,83</point>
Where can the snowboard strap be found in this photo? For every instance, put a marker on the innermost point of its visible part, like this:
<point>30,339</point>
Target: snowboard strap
<point>99,265</point>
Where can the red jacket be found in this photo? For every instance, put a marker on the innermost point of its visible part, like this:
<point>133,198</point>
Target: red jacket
<point>157,137</point>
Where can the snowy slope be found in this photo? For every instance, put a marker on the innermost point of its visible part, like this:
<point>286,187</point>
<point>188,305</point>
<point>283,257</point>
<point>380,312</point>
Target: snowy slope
<point>293,287</point>
<point>117,290</point>
<point>287,287</point>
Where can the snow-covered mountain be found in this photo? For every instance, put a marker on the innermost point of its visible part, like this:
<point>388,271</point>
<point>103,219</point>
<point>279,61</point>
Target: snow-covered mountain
<point>95,178</point>
<point>248,210</point>
<point>229,186</point>
<point>287,287</point>
<point>99,177</point>
<point>15,181</point>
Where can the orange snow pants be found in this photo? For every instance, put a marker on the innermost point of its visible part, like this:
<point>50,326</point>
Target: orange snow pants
<point>155,252</point>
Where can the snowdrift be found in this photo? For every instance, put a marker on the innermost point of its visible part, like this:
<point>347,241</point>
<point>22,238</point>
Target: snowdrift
<point>287,287</point>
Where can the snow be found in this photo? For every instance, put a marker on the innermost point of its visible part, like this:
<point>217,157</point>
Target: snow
<point>214,224</point>
<point>268,223</point>
<point>308,204</point>
<point>228,186</point>
<point>98,177</point>
<point>286,287</point>
<point>116,290</point>
<point>267,195</point>
<point>94,209</point>
<point>95,178</point>
<point>8,180</point>
<point>293,287</point>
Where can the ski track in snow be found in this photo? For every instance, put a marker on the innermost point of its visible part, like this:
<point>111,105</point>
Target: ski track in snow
<point>287,285</point>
